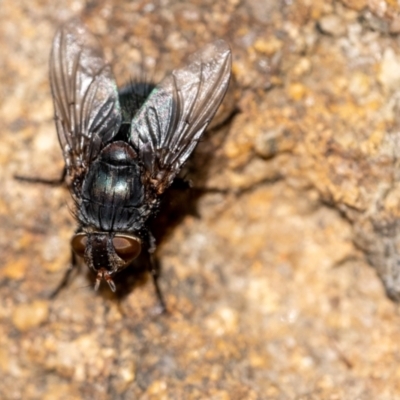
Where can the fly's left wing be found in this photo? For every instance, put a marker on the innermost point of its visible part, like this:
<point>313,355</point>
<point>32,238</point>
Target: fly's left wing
<point>168,126</point>
<point>85,96</point>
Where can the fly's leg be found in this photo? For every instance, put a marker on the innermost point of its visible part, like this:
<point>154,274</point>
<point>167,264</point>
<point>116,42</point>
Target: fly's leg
<point>183,184</point>
<point>180,183</point>
<point>154,268</point>
<point>54,182</point>
<point>51,182</point>
<point>67,275</point>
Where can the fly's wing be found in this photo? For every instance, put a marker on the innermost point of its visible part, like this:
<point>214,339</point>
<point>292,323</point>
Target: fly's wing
<point>167,128</point>
<point>86,106</point>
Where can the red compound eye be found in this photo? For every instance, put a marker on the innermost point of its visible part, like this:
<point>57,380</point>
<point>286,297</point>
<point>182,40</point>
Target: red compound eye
<point>78,243</point>
<point>127,247</point>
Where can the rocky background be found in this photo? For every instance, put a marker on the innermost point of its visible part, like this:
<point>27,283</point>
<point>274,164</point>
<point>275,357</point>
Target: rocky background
<point>280,269</point>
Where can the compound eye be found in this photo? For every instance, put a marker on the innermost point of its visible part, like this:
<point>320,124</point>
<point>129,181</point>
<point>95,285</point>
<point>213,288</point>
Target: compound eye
<point>78,244</point>
<point>127,247</point>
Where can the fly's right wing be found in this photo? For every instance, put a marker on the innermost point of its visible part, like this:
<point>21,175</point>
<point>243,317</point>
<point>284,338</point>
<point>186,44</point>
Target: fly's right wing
<point>85,96</point>
<point>170,123</point>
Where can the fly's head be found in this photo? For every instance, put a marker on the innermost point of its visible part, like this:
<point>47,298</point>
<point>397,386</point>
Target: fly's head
<point>106,253</point>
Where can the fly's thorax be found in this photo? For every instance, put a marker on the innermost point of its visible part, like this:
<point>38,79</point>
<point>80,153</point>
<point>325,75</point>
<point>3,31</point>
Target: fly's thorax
<point>112,192</point>
<point>119,153</point>
<point>105,251</point>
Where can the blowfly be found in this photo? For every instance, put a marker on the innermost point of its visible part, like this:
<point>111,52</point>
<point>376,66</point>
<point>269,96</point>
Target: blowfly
<point>123,149</point>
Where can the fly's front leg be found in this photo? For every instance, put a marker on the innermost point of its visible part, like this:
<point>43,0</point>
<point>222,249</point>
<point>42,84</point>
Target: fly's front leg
<point>51,182</point>
<point>154,269</point>
<point>67,275</point>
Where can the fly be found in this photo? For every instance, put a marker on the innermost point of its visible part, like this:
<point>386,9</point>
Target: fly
<point>123,149</point>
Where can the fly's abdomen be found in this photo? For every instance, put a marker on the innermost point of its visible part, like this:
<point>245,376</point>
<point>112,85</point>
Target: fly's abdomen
<point>112,192</point>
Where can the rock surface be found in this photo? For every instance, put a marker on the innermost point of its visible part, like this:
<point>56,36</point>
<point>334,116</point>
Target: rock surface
<point>268,279</point>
